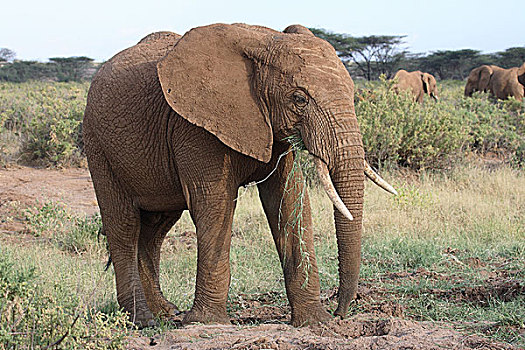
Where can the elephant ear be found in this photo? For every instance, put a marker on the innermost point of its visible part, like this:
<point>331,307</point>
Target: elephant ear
<point>521,74</point>
<point>426,83</point>
<point>485,74</point>
<point>205,78</point>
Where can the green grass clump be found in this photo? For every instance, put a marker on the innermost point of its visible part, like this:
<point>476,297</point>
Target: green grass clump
<point>40,309</point>
<point>69,232</point>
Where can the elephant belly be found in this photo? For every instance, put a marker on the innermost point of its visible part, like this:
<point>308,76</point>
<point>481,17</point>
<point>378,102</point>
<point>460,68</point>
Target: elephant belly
<point>161,202</point>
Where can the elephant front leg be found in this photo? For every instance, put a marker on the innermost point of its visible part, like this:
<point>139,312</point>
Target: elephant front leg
<point>287,207</point>
<point>212,214</point>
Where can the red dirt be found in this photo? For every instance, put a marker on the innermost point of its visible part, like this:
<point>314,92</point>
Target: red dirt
<point>261,322</point>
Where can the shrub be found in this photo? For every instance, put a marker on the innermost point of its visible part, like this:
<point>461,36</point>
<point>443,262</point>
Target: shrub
<point>76,234</point>
<point>31,316</point>
<point>400,132</point>
<point>43,120</point>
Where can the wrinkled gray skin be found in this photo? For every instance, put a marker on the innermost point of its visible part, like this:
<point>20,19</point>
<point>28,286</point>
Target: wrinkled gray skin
<point>417,83</point>
<point>180,124</point>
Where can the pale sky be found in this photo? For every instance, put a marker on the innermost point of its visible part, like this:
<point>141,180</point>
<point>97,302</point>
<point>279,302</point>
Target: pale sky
<point>37,30</point>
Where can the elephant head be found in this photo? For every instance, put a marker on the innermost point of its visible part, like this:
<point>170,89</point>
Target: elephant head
<point>253,87</point>
<point>478,80</point>
<point>429,85</point>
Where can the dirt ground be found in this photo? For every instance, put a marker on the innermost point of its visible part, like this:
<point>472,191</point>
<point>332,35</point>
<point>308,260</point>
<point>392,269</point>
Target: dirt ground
<point>259,324</point>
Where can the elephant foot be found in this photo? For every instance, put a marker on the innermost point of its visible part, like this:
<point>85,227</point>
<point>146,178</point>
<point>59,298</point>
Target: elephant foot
<point>206,316</point>
<point>143,319</point>
<point>165,309</point>
<point>310,315</point>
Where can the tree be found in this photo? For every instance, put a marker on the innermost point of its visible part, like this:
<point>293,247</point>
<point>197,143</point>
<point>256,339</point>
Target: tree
<point>451,64</point>
<point>6,55</point>
<point>21,71</point>
<point>511,57</point>
<point>367,56</point>
<point>71,68</point>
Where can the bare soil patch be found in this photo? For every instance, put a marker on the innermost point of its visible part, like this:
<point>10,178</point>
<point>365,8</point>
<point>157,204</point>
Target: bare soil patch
<point>261,320</point>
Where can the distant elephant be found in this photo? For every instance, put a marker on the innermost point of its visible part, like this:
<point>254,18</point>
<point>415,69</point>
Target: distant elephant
<point>418,83</point>
<point>180,124</point>
<point>506,83</point>
<point>479,79</point>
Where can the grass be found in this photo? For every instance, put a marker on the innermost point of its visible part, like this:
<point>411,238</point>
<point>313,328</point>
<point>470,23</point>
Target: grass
<point>447,248</point>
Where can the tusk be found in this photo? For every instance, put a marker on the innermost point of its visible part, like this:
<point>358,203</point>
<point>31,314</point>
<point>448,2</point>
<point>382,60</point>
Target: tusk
<point>328,185</point>
<point>372,175</point>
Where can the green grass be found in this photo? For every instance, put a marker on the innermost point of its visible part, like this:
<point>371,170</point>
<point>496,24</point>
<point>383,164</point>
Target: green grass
<point>443,251</point>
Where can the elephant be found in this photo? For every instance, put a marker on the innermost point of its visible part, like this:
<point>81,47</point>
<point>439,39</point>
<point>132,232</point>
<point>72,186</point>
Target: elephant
<point>417,83</point>
<point>479,79</point>
<point>180,123</point>
<point>506,83</point>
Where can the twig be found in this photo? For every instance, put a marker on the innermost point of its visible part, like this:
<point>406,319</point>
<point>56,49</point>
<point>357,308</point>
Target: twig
<point>65,335</point>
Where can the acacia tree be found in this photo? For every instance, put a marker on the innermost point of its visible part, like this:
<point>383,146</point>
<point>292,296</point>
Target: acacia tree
<point>6,55</point>
<point>450,64</point>
<point>511,57</point>
<point>71,68</point>
<point>367,56</point>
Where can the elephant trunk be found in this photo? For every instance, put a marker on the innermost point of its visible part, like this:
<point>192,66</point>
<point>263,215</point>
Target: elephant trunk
<point>348,177</point>
<point>346,172</point>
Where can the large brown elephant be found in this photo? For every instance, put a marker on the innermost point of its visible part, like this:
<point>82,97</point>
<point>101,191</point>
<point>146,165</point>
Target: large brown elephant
<point>174,124</point>
<point>418,83</point>
<point>506,83</point>
<point>479,79</point>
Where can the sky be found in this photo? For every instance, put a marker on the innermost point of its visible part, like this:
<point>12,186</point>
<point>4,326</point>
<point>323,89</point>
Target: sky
<point>37,30</point>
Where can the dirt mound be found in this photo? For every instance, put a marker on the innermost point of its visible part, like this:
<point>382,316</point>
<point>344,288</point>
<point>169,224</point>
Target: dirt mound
<point>355,333</point>
<point>493,288</point>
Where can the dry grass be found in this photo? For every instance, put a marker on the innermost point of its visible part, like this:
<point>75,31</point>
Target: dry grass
<point>439,223</point>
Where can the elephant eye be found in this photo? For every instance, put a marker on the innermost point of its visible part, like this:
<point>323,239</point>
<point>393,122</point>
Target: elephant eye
<point>300,99</point>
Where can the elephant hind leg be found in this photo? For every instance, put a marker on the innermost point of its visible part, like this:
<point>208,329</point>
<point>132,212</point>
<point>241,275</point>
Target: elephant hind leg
<point>153,229</point>
<point>121,224</point>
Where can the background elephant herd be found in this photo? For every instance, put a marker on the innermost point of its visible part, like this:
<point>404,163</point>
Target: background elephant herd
<point>499,82</point>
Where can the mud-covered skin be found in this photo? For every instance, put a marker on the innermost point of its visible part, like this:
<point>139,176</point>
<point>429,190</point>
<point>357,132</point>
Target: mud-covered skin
<point>501,83</point>
<point>180,124</point>
<point>417,83</point>
<point>506,83</point>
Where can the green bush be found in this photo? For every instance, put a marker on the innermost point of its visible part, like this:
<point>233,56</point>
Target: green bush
<point>69,232</point>
<point>40,123</point>
<point>30,316</point>
<point>436,135</point>
<point>497,127</point>
<point>400,132</point>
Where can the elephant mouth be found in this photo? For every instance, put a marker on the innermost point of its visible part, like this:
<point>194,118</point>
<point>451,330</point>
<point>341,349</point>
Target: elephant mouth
<point>328,185</point>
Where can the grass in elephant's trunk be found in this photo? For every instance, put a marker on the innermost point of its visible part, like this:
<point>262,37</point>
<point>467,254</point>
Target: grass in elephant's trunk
<point>295,221</point>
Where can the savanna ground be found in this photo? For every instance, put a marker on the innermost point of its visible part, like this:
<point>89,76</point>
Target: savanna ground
<point>443,263</point>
